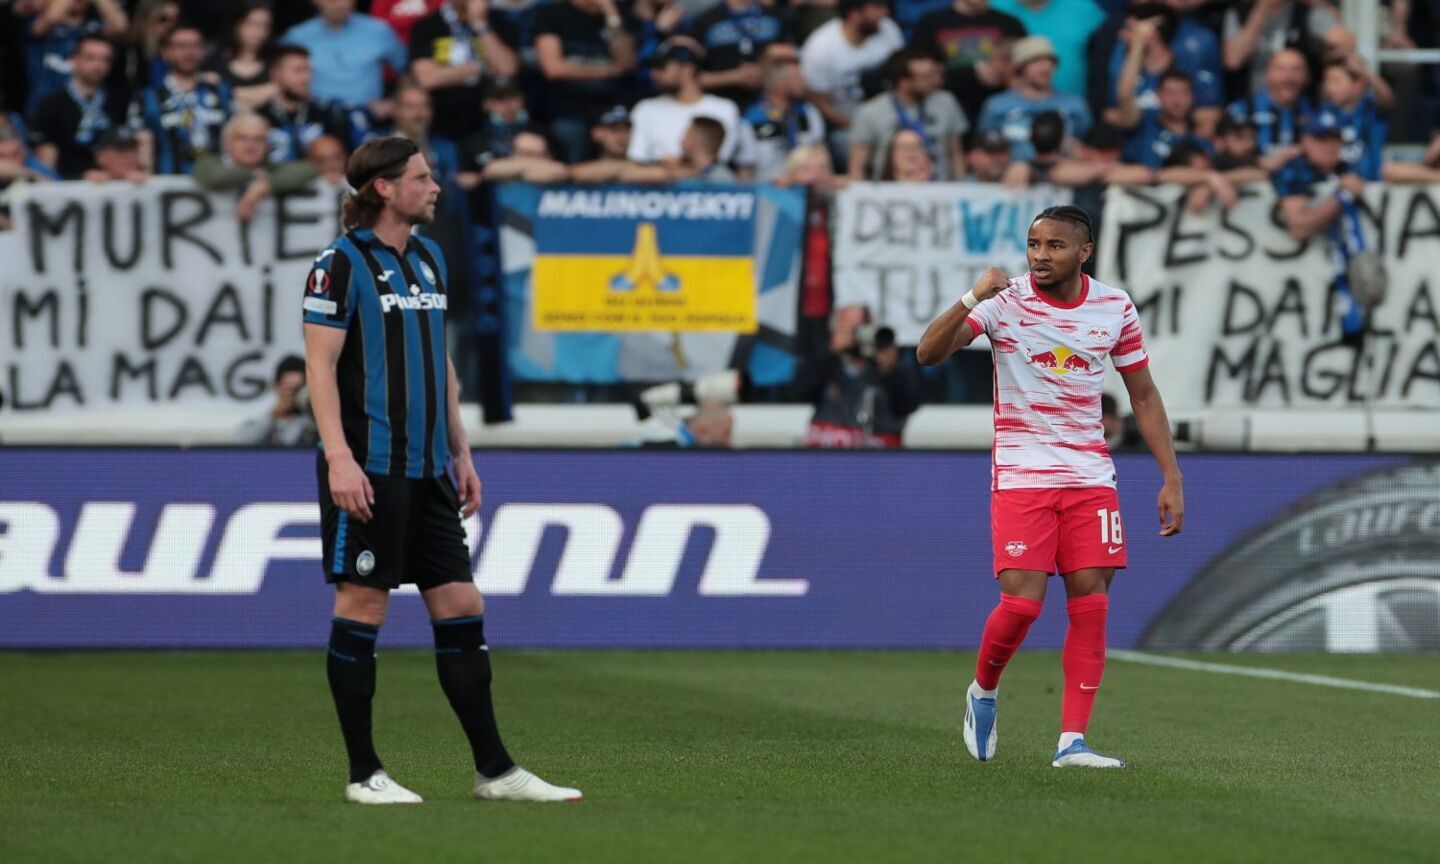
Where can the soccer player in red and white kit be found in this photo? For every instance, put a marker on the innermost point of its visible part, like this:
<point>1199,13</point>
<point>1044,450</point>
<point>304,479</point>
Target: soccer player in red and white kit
<point>1053,504</point>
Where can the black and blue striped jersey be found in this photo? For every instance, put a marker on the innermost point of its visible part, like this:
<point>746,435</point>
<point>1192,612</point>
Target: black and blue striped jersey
<point>392,368</point>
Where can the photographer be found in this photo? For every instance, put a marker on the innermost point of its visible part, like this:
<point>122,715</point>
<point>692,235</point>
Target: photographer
<point>289,422</point>
<point>861,393</point>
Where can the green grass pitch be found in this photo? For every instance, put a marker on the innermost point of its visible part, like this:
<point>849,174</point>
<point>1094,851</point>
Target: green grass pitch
<point>708,757</point>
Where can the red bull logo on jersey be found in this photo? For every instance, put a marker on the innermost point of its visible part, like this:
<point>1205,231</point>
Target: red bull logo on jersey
<point>1061,360</point>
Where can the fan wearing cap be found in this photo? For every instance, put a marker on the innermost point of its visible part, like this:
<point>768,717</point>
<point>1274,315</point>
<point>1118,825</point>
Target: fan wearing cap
<point>70,120</point>
<point>449,51</point>
<point>1033,93</point>
<point>117,157</point>
<point>989,158</point>
<point>1312,203</point>
<point>504,115</point>
<point>660,122</point>
<point>1068,25</point>
<point>611,136</point>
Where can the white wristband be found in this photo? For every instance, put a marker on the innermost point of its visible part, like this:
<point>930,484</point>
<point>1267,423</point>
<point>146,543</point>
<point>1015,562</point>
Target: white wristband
<point>970,300</point>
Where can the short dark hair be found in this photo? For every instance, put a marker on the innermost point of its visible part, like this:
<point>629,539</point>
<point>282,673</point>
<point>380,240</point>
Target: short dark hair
<point>897,66</point>
<point>1076,216</point>
<point>845,7</point>
<point>289,363</point>
<point>1047,132</point>
<point>1174,74</point>
<point>712,132</point>
<point>375,159</point>
<point>280,53</point>
<point>91,37</point>
<point>182,26</point>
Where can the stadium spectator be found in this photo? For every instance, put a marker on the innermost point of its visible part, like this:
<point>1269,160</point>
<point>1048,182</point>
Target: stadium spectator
<point>1236,154</point>
<point>1280,107</point>
<point>989,159</point>
<point>531,161</point>
<point>1359,100</point>
<point>182,113</point>
<point>907,158</point>
<point>1256,32</point>
<point>975,42</point>
<point>243,167</point>
<point>661,122</point>
<point>54,34</point>
<point>449,52</point>
<point>1068,25</point>
<point>240,60</point>
<point>810,166</point>
<point>656,21</point>
<point>1151,29</point>
<point>1121,433</point>
<point>414,119</point>
<point>862,393</point>
<point>586,55</point>
<point>504,116</point>
<point>289,422</point>
<point>700,151</point>
<point>915,102</point>
<point>296,119</point>
<point>327,153</point>
<point>1166,122</point>
<point>611,135</point>
<point>402,15</point>
<point>351,52</point>
<point>69,121</point>
<point>140,63</point>
<point>1335,214</point>
<point>518,19</point>
<point>117,157</point>
<point>781,121</point>
<point>1033,93</point>
<point>17,169</point>
<point>861,38</point>
<point>733,36</point>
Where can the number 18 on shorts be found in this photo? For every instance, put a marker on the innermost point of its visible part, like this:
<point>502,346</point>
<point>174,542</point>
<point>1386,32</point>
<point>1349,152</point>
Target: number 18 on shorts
<point>1056,530</point>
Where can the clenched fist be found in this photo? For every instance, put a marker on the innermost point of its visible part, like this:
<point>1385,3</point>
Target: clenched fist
<point>991,282</point>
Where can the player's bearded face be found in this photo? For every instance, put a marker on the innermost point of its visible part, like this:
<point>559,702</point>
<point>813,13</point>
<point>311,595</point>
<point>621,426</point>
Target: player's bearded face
<point>1055,250</point>
<point>414,193</point>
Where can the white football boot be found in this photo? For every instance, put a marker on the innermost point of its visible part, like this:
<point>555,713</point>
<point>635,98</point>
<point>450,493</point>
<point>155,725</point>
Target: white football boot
<point>517,784</point>
<point>980,734</point>
<point>1077,755</point>
<point>380,789</point>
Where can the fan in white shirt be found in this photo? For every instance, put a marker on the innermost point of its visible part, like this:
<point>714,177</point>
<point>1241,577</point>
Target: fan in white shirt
<point>835,56</point>
<point>659,123</point>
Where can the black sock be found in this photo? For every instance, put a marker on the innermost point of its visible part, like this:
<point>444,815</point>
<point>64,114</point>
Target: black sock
<point>350,666</point>
<point>463,662</point>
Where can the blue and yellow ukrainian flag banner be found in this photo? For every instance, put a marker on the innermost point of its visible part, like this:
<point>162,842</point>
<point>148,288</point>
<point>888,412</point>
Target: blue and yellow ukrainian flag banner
<point>624,258</point>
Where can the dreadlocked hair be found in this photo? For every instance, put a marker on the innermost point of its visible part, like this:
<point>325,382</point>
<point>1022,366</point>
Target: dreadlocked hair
<point>382,158</point>
<point>1072,214</point>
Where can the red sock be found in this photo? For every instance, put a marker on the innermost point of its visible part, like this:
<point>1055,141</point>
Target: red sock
<point>1004,631</point>
<point>1083,660</point>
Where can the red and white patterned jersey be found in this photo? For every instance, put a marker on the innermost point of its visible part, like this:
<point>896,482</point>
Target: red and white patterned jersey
<point>1049,369</point>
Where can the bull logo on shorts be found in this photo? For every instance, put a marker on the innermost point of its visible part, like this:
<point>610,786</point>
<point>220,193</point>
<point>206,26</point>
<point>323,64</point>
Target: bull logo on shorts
<point>1016,548</point>
<point>1061,360</point>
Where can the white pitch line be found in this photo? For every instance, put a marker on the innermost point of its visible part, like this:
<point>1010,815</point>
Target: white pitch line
<point>1272,674</point>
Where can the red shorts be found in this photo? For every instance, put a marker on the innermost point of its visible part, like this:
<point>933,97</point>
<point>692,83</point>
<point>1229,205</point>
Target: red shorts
<point>1056,530</point>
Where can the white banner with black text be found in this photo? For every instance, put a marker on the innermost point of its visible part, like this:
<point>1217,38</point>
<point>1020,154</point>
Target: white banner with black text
<point>119,295</point>
<point>1237,313</point>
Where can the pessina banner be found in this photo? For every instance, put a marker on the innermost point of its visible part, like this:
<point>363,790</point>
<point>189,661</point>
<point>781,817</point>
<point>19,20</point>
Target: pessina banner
<point>164,548</point>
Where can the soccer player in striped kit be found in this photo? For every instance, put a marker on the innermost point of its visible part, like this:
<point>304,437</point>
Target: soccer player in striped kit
<point>386,404</point>
<point>1053,502</point>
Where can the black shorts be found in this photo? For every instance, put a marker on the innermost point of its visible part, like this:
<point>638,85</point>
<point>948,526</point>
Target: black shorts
<point>414,534</point>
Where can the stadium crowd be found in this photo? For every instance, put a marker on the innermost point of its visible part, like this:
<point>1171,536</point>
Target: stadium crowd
<point>1073,92</point>
<point>257,98</point>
